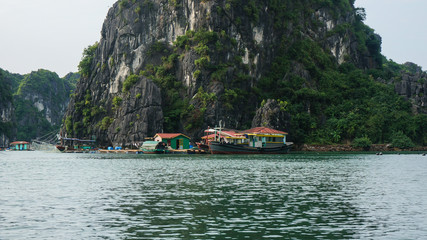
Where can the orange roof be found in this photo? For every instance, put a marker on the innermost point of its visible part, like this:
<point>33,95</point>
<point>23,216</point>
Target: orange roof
<point>226,134</point>
<point>210,136</point>
<point>232,133</point>
<point>264,130</point>
<point>169,135</point>
<point>19,142</point>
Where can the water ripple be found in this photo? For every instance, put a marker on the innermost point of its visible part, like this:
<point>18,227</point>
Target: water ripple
<point>71,196</point>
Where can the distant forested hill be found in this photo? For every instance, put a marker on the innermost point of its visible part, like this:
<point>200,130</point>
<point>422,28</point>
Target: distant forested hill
<point>6,110</point>
<point>37,101</point>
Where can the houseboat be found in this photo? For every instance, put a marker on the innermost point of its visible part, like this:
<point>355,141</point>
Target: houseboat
<point>20,146</point>
<point>75,145</point>
<point>259,140</point>
<point>175,142</point>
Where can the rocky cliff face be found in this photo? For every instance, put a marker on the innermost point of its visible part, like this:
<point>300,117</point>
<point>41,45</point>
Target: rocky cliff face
<point>6,111</point>
<point>272,114</point>
<point>412,85</point>
<point>179,66</point>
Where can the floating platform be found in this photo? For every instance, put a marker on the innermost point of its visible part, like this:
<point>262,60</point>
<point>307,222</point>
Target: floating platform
<point>188,151</point>
<point>126,151</point>
<point>198,151</point>
<point>173,151</point>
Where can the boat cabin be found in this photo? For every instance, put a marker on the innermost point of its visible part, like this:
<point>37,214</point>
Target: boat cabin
<point>173,140</point>
<point>75,144</point>
<point>226,136</point>
<point>254,137</point>
<point>265,137</point>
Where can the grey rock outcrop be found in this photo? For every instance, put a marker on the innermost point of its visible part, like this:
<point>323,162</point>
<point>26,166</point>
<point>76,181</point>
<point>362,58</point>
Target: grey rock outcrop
<point>6,111</point>
<point>412,85</point>
<point>272,115</point>
<point>140,117</point>
<point>222,50</point>
<point>6,118</point>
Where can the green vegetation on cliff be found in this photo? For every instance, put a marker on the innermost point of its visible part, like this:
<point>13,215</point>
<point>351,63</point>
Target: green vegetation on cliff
<point>316,58</point>
<point>336,103</point>
<point>40,103</point>
<point>6,98</point>
<point>38,100</point>
<point>5,88</point>
<point>87,59</point>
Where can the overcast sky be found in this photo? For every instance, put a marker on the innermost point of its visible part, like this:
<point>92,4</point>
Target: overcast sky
<point>402,24</point>
<point>51,34</point>
<point>48,34</point>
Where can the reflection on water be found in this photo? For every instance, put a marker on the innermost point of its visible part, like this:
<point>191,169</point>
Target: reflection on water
<point>53,196</point>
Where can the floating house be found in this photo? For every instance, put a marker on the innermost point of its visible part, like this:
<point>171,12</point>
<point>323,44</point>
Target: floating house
<point>173,140</point>
<point>20,146</point>
<point>254,137</point>
<point>259,140</point>
<point>263,136</point>
<point>76,145</point>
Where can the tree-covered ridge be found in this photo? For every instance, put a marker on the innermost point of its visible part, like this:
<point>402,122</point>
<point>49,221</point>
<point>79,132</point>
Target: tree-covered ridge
<point>5,87</point>
<point>72,79</point>
<point>38,100</point>
<point>6,98</point>
<point>45,83</point>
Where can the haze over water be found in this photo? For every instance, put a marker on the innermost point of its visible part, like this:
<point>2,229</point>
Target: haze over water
<point>299,196</point>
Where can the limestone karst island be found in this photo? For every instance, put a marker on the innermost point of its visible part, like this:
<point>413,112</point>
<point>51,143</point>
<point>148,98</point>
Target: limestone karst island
<point>237,76</point>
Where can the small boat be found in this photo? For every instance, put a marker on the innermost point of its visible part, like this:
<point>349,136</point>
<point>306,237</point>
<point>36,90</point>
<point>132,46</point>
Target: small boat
<point>202,146</point>
<point>60,148</point>
<point>204,143</point>
<point>75,145</point>
<point>154,147</point>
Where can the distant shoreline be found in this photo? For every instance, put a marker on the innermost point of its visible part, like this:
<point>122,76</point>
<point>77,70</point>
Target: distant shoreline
<point>349,148</point>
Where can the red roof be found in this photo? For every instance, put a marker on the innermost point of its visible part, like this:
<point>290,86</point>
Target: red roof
<point>169,135</point>
<point>227,133</point>
<point>209,136</point>
<point>19,142</point>
<point>264,130</point>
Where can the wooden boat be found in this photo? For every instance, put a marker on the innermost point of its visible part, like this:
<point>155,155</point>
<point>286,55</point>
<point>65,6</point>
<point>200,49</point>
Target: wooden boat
<point>230,148</point>
<point>154,147</point>
<point>60,148</point>
<point>259,140</point>
<point>202,146</point>
<point>75,145</point>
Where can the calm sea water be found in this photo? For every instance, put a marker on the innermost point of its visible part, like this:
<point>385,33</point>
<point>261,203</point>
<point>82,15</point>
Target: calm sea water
<point>305,196</point>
